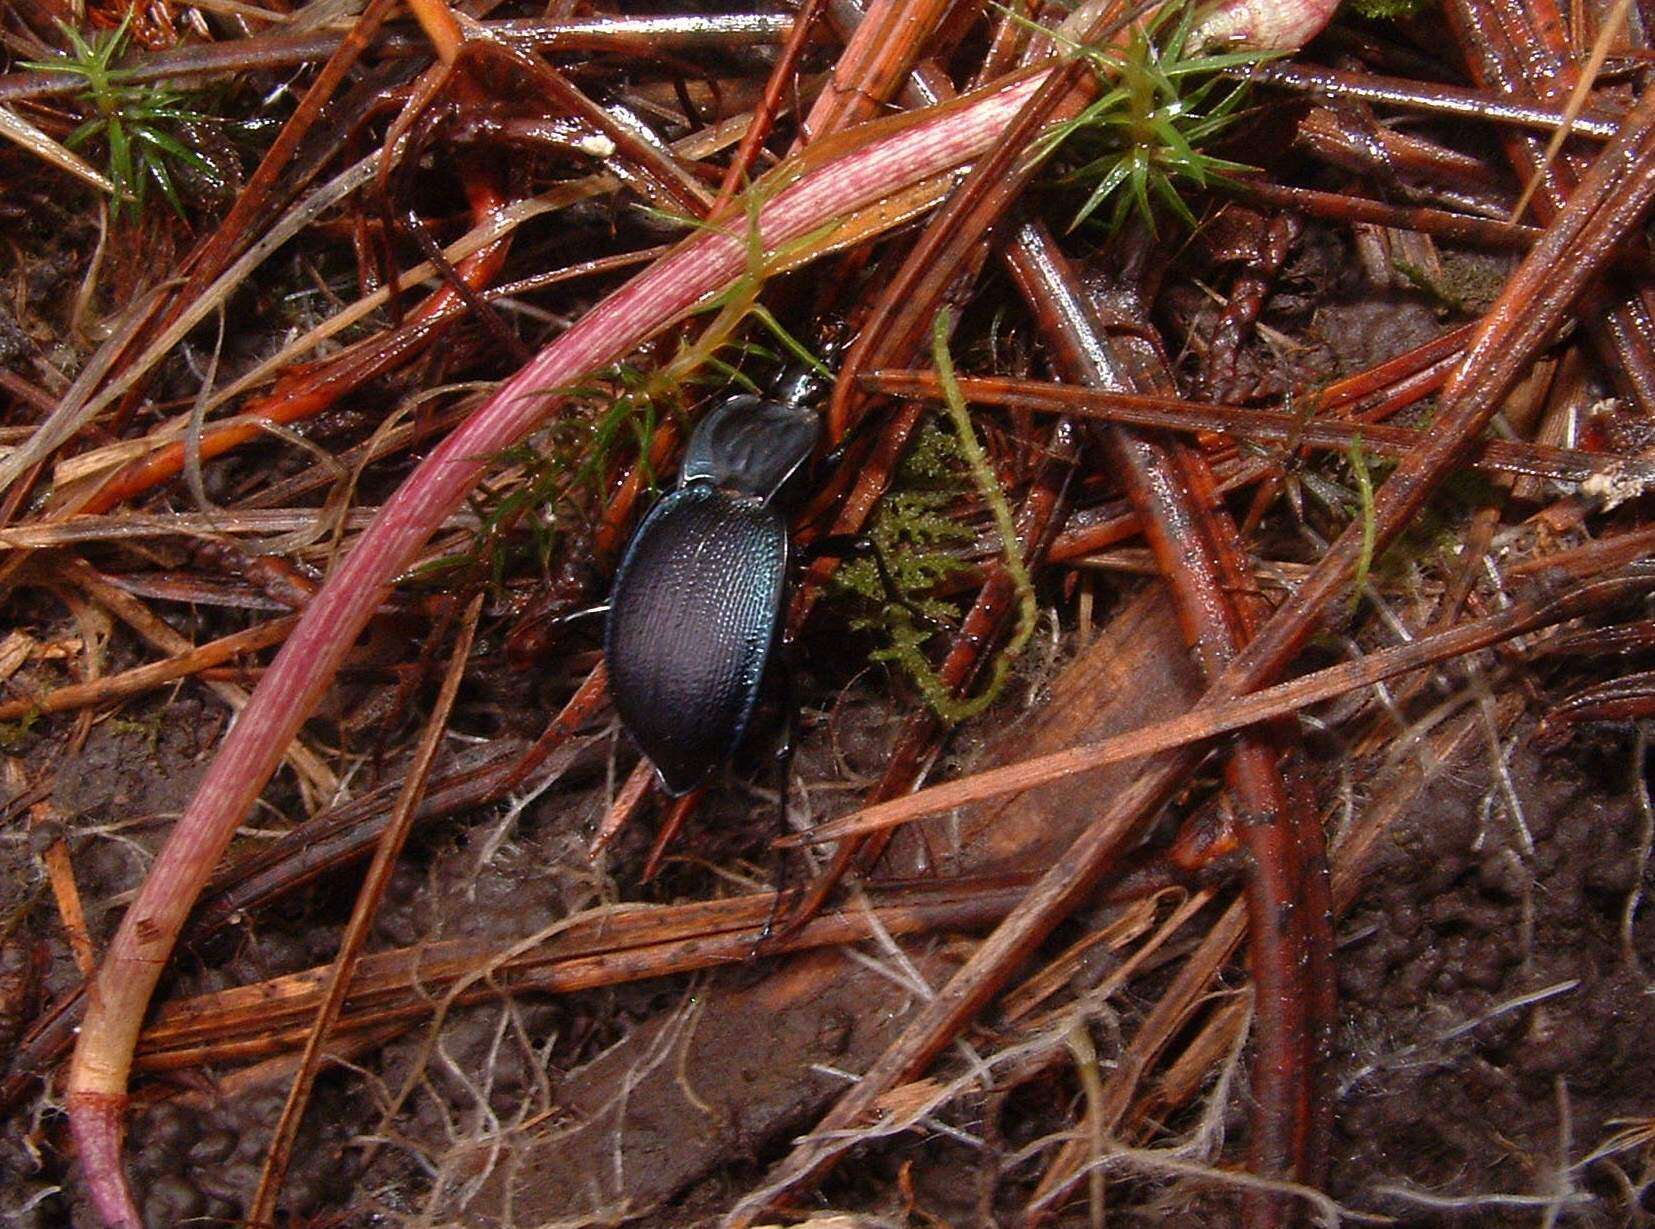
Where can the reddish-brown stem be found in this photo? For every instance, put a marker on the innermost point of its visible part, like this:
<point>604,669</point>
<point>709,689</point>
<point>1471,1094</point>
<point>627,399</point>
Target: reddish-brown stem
<point>1352,138</point>
<point>624,807</point>
<point>1609,203</point>
<point>764,115</point>
<point>1628,698</point>
<point>1440,354</point>
<point>1341,207</point>
<point>1435,98</point>
<point>1200,556</point>
<point>886,43</point>
<point>1201,417</point>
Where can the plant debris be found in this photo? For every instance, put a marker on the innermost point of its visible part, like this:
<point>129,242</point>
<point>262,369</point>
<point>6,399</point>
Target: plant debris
<point>1207,777</point>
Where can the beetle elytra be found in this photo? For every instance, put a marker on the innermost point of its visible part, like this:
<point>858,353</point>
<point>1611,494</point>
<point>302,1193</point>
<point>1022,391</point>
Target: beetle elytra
<point>697,600</point>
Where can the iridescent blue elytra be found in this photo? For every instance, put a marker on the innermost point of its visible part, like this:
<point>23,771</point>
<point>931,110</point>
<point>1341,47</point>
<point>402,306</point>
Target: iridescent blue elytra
<point>698,597</point>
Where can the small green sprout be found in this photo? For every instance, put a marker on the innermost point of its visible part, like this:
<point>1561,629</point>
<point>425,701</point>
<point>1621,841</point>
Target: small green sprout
<point>1364,491</point>
<point>988,486</point>
<point>14,735</point>
<point>1138,143</point>
<point>916,536</point>
<point>139,124</point>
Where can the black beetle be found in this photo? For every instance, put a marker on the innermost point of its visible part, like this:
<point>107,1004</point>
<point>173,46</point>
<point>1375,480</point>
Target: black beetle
<point>697,600</point>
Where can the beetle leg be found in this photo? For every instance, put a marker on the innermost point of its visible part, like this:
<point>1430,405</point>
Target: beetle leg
<point>671,824</point>
<point>782,664</point>
<point>585,612</point>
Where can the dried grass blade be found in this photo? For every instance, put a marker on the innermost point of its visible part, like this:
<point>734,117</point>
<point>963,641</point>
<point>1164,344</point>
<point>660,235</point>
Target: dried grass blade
<point>1231,714</point>
<point>263,1207</point>
<point>17,129</point>
<point>145,678</point>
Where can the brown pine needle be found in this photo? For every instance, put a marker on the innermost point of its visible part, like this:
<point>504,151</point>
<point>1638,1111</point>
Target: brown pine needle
<point>1242,422</point>
<point>263,1208</point>
<point>155,674</point>
<point>66,892</point>
<point>623,808</point>
<point>1577,103</point>
<point>1192,727</point>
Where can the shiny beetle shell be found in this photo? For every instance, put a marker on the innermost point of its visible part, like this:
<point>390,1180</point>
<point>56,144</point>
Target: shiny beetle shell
<point>698,596</point>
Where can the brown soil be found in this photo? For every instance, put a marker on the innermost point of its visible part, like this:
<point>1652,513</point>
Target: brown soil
<point>1449,1082</point>
<point>1495,1029</point>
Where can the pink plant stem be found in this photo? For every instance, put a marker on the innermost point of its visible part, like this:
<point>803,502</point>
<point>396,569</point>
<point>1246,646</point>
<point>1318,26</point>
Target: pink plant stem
<point>888,160</point>
<point>290,689</point>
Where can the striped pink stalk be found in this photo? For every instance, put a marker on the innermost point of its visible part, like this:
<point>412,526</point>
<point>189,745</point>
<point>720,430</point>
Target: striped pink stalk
<point>886,162</point>
<point>285,697</point>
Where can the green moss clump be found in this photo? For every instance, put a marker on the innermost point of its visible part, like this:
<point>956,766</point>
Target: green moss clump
<point>1389,10</point>
<point>916,533</point>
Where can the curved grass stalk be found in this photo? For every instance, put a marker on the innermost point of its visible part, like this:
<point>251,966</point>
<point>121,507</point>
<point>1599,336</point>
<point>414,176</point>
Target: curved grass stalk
<point>830,180</point>
<point>824,187</point>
